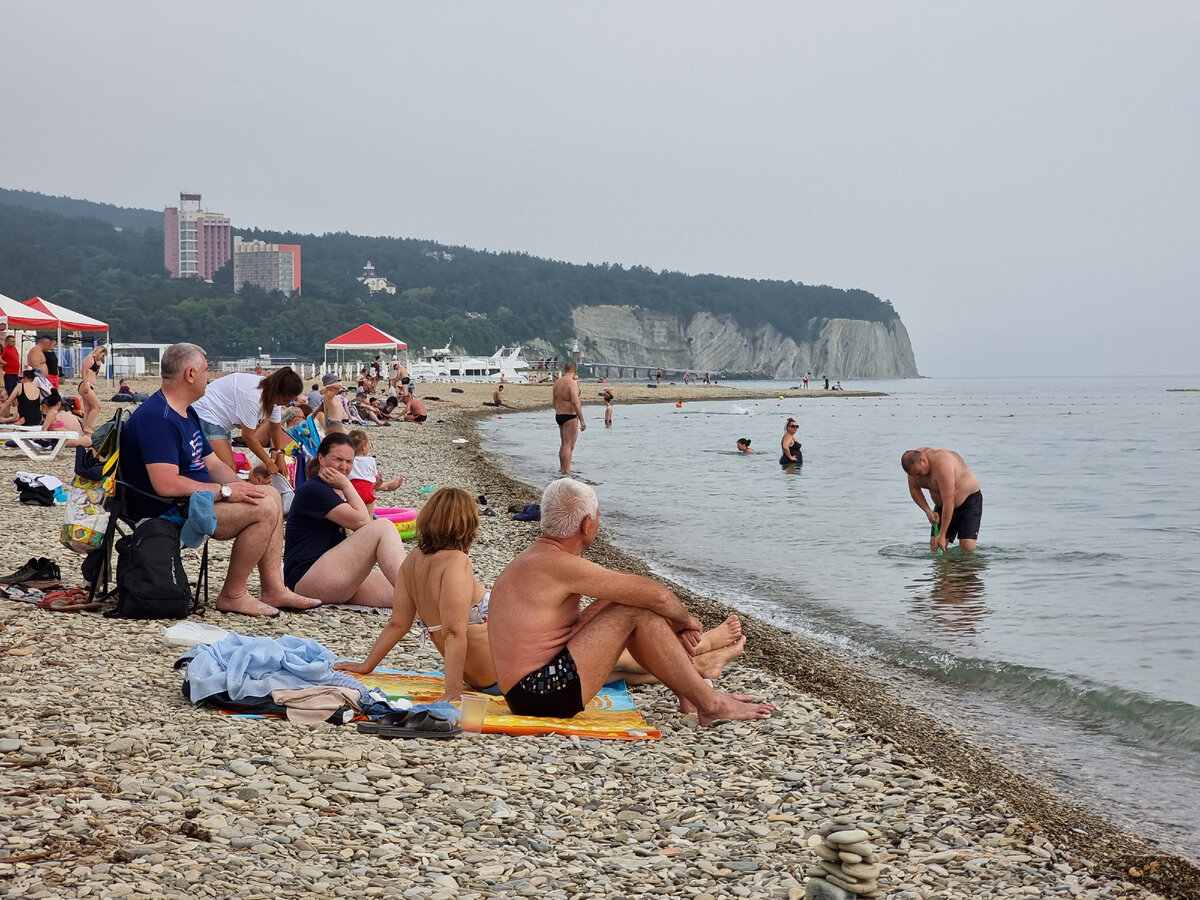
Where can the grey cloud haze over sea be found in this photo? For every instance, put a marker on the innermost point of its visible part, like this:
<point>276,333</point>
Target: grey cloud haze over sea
<point>1021,181</point>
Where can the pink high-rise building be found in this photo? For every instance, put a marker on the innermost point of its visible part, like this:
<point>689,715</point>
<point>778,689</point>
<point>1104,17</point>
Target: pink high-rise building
<point>195,243</point>
<point>272,267</point>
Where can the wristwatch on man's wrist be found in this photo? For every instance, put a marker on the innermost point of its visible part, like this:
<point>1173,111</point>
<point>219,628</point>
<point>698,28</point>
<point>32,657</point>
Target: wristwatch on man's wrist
<point>226,492</point>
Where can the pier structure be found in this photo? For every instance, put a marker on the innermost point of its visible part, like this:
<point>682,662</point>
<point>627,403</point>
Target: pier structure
<point>635,372</point>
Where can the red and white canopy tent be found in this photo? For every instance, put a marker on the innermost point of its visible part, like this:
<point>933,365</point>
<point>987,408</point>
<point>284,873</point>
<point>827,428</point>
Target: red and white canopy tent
<point>19,317</point>
<point>64,319</point>
<point>364,337</point>
<point>16,316</point>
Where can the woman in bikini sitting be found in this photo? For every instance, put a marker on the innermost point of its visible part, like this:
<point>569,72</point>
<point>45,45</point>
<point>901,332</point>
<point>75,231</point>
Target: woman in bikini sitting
<point>55,418</point>
<point>319,559</point>
<point>87,386</point>
<point>438,581</point>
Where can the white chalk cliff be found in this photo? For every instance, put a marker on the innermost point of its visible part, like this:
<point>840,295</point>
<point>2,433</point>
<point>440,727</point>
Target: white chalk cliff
<point>842,348</point>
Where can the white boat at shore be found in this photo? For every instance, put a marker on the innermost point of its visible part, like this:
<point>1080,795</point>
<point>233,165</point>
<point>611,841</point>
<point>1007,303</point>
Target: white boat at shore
<point>442,365</point>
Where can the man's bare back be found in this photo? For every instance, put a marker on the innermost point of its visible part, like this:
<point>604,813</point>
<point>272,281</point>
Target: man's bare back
<point>568,414</point>
<point>947,468</point>
<point>549,616</point>
<point>566,394</point>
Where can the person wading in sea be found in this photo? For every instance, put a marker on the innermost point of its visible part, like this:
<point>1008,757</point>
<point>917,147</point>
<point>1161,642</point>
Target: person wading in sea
<point>568,413</point>
<point>957,499</point>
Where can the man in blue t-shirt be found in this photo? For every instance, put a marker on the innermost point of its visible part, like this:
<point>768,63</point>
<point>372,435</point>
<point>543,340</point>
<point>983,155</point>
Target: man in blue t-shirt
<point>164,453</point>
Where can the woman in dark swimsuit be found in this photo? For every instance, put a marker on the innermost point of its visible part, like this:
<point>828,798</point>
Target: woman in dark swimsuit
<point>319,559</point>
<point>28,399</point>
<point>87,386</point>
<point>791,455</point>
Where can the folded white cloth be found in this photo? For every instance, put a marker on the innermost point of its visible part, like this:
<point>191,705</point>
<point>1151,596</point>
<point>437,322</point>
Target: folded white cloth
<point>50,482</point>
<point>189,634</point>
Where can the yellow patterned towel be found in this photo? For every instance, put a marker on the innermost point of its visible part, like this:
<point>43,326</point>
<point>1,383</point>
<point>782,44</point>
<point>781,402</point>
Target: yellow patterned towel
<point>611,714</point>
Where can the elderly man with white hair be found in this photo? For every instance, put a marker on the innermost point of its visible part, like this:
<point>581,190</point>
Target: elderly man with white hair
<point>552,657</point>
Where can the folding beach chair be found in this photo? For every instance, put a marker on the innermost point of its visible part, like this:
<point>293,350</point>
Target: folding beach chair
<point>98,566</point>
<point>308,437</point>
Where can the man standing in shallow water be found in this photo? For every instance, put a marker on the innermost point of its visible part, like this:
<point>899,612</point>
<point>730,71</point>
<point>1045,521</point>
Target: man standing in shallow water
<point>552,657</point>
<point>957,499</point>
<point>568,413</point>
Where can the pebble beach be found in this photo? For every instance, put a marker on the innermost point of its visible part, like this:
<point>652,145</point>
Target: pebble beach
<point>113,785</point>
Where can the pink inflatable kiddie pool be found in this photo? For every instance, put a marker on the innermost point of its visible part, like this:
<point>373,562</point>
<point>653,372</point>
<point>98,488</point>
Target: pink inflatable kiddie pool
<point>403,518</point>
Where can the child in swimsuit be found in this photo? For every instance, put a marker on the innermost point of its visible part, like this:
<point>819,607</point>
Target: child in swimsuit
<point>364,474</point>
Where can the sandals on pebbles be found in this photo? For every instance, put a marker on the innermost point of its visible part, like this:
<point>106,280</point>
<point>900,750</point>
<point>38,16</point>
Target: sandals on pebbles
<point>408,724</point>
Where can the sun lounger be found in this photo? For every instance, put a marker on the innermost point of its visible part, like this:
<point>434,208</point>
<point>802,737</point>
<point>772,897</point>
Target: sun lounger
<point>26,439</point>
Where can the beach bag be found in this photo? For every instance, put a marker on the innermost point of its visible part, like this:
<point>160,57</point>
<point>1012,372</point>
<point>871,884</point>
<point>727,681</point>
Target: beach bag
<point>86,518</point>
<point>151,583</point>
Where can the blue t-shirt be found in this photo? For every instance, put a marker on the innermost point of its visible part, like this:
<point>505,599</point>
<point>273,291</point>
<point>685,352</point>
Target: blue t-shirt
<point>309,535</point>
<point>155,433</point>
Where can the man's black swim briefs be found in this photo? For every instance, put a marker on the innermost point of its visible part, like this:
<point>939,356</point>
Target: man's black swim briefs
<point>964,521</point>
<point>552,690</point>
<point>563,418</point>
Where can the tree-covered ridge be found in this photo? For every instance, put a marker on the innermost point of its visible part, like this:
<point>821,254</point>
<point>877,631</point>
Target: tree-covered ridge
<point>118,275</point>
<point>121,216</point>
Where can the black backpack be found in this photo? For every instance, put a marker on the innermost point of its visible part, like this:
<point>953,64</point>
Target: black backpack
<point>151,583</point>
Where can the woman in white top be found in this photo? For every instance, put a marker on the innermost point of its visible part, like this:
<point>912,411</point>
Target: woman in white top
<point>248,401</point>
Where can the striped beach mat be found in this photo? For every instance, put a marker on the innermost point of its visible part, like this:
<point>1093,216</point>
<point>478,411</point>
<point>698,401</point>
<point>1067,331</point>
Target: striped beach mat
<point>610,715</point>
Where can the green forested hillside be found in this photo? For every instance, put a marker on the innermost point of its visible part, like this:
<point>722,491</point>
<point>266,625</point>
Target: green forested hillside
<point>122,216</point>
<point>79,259</point>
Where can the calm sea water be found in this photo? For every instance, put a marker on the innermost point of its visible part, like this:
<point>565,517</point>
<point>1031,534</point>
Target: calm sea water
<point>1073,633</point>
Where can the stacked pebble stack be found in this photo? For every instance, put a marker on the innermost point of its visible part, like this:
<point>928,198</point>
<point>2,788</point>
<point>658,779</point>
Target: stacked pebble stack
<point>847,866</point>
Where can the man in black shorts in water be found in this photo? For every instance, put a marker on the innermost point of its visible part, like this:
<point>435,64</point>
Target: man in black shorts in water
<point>954,489</point>
<point>552,658</point>
<point>568,413</point>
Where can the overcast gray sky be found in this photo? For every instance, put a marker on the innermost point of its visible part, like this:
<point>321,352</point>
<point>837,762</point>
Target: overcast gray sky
<point>1021,180</point>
